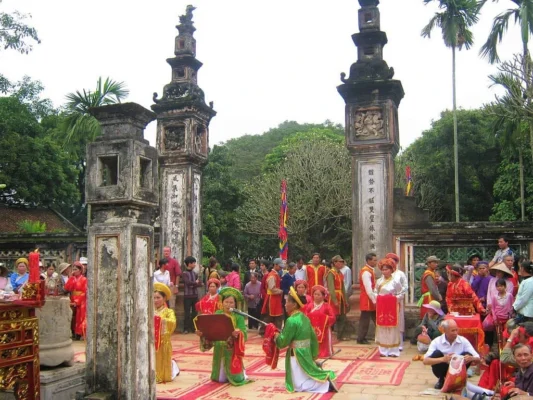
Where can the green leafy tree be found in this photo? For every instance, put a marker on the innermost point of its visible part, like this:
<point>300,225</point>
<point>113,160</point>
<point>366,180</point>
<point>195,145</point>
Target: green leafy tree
<point>15,35</point>
<point>455,21</point>
<point>221,197</point>
<point>248,152</point>
<point>431,160</point>
<point>34,168</point>
<point>513,115</point>
<point>522,14</point>
<point>319,198</point>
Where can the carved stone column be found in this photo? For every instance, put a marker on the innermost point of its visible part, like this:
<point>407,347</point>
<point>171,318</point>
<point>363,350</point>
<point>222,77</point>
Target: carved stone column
<point>372,136</point>
<point>182,141</point>
<point>122,189</point>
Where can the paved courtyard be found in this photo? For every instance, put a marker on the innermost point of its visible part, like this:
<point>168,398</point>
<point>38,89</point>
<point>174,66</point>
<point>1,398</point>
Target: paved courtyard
<point>416,377</point>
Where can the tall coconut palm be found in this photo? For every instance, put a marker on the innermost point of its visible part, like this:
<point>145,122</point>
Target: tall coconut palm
<point>523,15</point>
<point>455,19</point>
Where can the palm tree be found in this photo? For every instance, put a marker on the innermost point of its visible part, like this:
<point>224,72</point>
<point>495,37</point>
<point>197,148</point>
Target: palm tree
<point>523,15</point>
<point>80,128</point>
<point>513,111</point>
<point>455,19</point>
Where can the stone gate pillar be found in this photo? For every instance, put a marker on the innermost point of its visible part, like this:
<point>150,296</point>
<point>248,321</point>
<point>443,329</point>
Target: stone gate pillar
<point>372,98</point>
<point>182,141</point>
<point>122,189</point>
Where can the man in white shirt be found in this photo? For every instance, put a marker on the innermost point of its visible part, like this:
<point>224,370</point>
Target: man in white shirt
<point>347,275</point>
<point>503,250</point>
<point>300,273</point>
<point>442,349</point>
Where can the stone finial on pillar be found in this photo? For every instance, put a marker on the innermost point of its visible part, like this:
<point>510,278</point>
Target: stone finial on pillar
<point>122,189</point>
<point>372,98</point>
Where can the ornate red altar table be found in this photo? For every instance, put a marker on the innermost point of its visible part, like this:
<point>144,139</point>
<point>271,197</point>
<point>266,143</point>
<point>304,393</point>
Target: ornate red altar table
<point>470,327</point>
<point>19,345</point>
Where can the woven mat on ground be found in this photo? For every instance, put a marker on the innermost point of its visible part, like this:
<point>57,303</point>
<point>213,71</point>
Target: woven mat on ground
<point>374,372</point>
<point>259,389</point>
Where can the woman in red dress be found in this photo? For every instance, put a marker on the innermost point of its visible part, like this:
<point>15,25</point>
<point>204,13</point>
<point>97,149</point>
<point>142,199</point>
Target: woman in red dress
<point>209,303</point>
<point>302,287</point>
<point>322,318</point>
<point>77,286</point>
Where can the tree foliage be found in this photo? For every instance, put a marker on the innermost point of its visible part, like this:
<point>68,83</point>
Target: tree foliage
<point>431,160</point>
<point>15,34</point>
<point>33,166</point>
<point>248,152</point>
<point>319,196</point>
<point>221,196</point>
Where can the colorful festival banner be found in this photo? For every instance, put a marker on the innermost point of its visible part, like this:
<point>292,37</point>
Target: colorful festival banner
<point>283,217</point>
<point>409,179</point>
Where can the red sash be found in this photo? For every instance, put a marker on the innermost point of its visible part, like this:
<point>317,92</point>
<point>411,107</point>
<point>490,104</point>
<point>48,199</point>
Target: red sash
<point>319,322</point>
<point>157,331</point>
<point>238,354</point>
<point>387,311</point>
<point>269,346</point>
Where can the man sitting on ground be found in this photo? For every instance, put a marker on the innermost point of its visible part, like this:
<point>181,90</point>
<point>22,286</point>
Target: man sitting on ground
<point>442,349</point>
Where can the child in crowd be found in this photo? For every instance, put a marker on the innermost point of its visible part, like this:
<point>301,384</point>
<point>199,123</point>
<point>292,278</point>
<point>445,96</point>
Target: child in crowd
<point>502,306</point>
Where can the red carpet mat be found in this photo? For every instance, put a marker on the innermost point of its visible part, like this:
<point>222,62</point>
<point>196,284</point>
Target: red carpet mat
<point>259,389</point>
<point>370,372</point>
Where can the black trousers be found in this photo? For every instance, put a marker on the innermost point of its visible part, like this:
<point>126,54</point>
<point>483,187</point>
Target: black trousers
<point>440,370</point>
<point>189,313</point>
<point>364,323</point>
<point>254,312</point>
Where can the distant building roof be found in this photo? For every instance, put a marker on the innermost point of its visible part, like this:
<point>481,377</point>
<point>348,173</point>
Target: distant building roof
<point>10,217</point>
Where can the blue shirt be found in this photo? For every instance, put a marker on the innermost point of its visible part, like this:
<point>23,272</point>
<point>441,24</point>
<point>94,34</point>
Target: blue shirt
<point>523,303</point>
<point>286,282</point>
<point>17,281</point>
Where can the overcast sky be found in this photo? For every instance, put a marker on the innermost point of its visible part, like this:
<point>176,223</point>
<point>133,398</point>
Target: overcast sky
<point>264,61</point>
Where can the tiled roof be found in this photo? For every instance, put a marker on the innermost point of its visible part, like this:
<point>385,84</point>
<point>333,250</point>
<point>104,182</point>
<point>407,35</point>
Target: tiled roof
<point>11,216</point>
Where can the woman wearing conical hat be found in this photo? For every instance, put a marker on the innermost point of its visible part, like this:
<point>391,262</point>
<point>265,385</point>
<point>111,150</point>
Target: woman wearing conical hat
<point>166,369</point>
<point>228,354</point>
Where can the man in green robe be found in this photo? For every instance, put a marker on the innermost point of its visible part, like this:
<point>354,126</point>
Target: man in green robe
<point>302,373</point>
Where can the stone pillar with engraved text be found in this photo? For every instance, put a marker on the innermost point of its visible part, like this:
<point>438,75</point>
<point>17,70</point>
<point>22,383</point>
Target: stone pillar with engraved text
<point>122,189</point>
<point>372,136</point>
<point>182,141</point>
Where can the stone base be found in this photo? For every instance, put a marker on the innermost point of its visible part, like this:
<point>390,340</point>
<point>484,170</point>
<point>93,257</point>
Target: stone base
<point>99,396</point>
<point>62,383</point>
<point>7,395</point>
<point>51,355</point>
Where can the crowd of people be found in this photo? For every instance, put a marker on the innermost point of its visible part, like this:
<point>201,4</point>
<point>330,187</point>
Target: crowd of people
<point>300,306</point>
<point>68,281</point>
<point>500,292</point>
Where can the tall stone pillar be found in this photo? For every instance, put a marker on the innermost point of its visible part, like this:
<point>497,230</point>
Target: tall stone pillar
<point>122,189</point>
<point>182,141</point>
<point>372,98</point>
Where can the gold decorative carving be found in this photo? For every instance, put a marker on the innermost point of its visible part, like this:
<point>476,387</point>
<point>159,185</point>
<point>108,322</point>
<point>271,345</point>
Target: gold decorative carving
<point>21,389</point>
<point>14,353</point>
<point>368,124</point>
<point>10,375</point>
<point>8,337</point>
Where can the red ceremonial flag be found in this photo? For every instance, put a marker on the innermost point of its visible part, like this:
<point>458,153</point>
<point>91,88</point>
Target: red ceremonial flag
<point>283,217</point>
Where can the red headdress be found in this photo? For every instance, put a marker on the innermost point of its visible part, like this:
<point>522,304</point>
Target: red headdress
<point>387,262</point>
<point>322,289</point>
<point>453,272</point>
<point>301,282</point>
<point>215,281</point>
